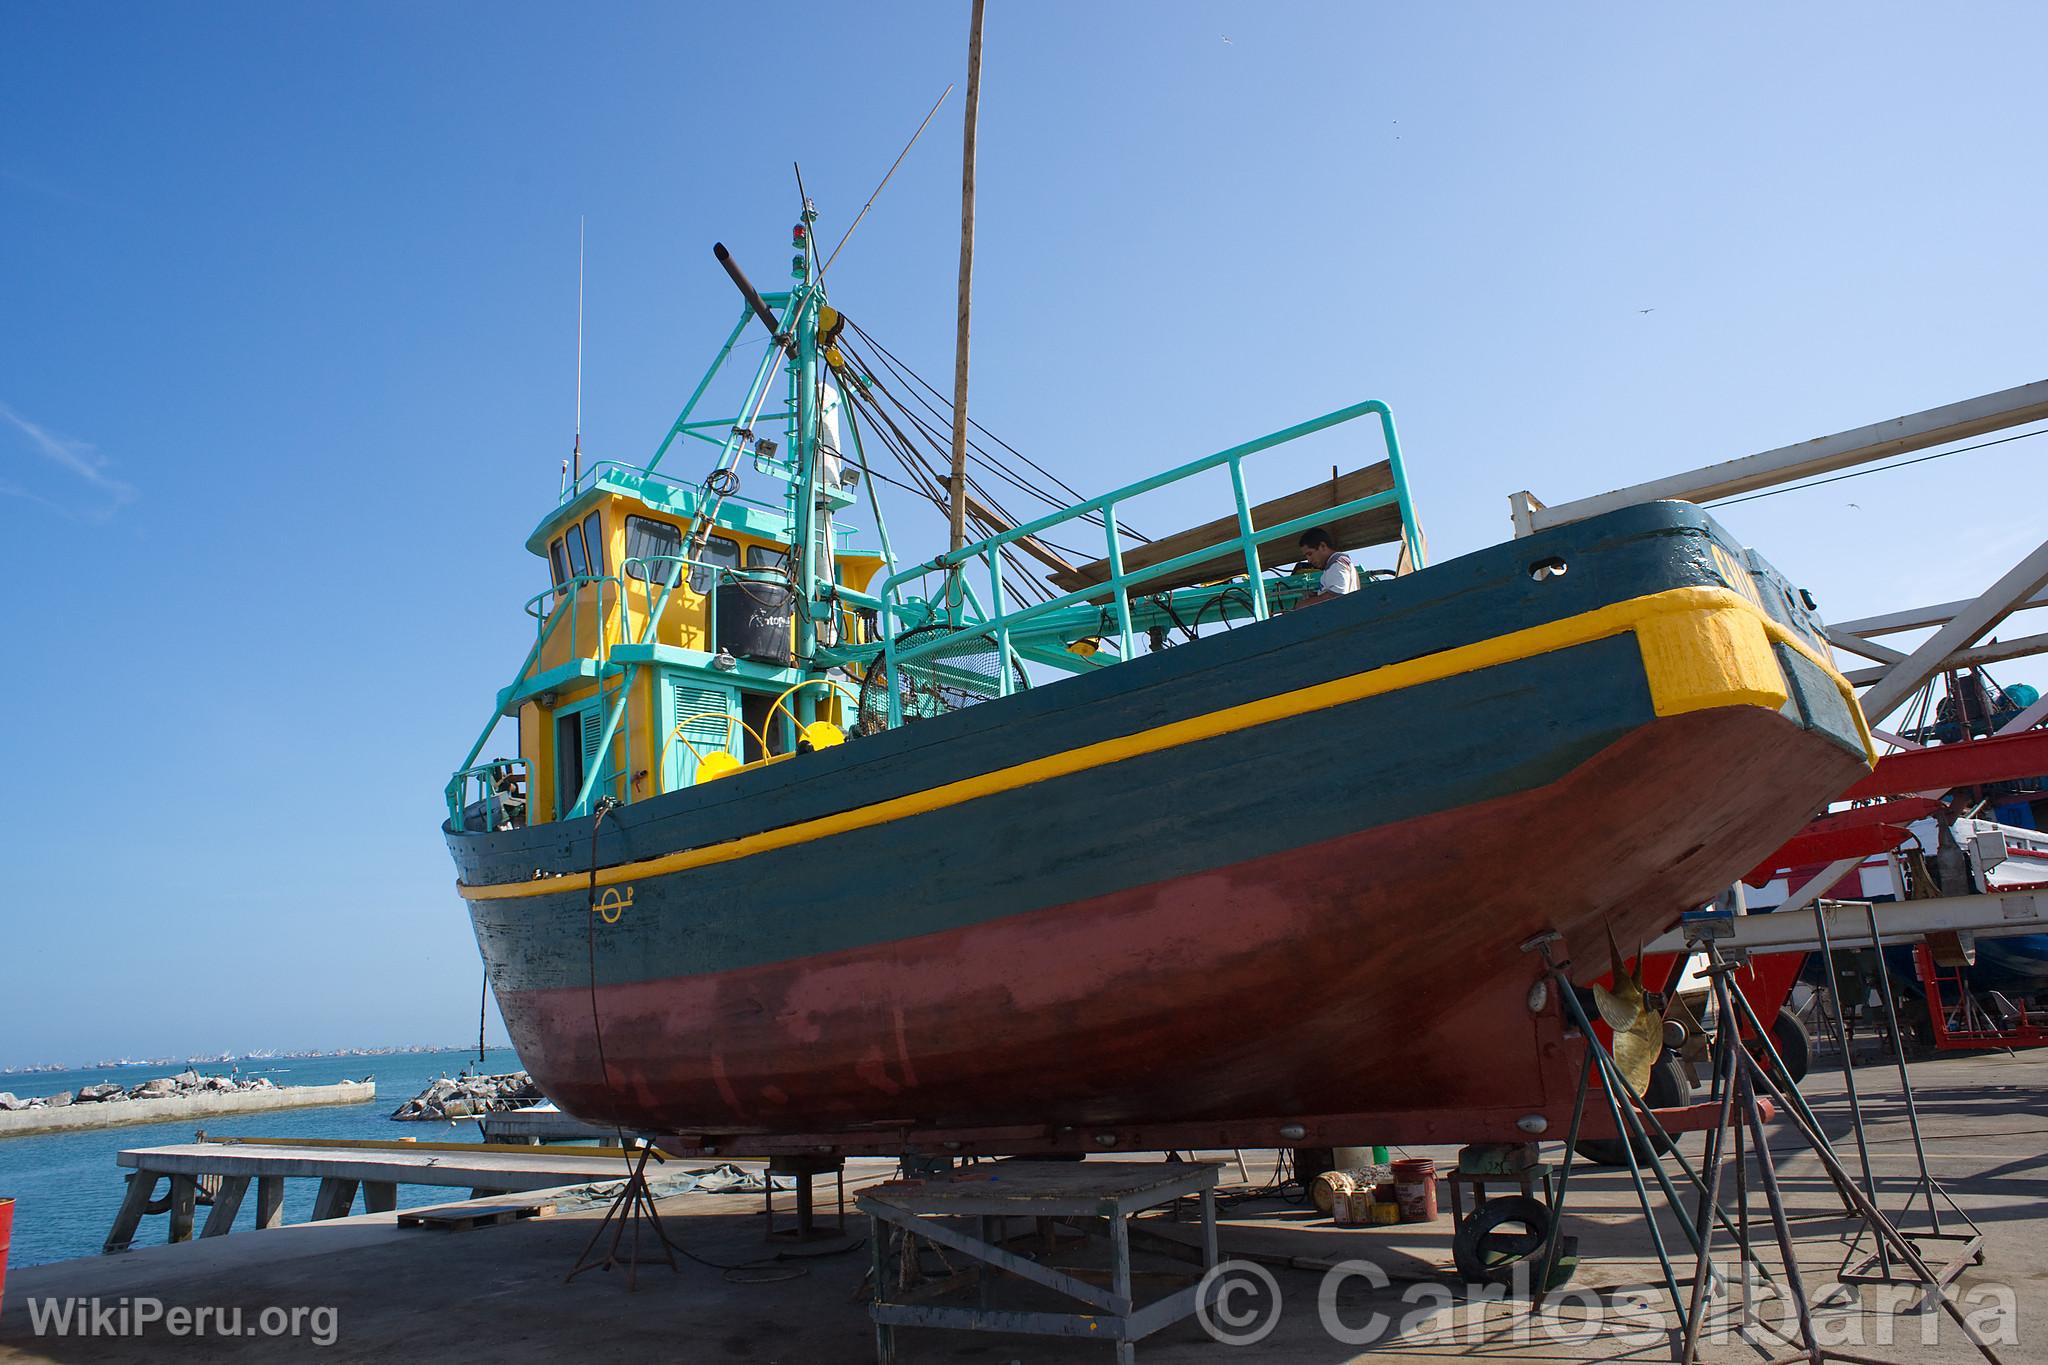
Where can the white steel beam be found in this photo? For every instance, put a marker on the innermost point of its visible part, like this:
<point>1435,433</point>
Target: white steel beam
<point>1995,652</point>
<point>1824,455</point>
<point>1965,628</point>
<point>1991,916</point>
<point>1918,618</point>
<point>1869,649</point>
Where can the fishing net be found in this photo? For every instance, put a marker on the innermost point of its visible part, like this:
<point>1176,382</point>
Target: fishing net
<point>963,671</point>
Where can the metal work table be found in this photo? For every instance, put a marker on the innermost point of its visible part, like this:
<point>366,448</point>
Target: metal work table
<point>990,1193</point>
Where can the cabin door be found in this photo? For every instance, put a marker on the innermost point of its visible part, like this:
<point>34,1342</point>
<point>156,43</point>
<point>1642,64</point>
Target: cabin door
<point>577,731</point>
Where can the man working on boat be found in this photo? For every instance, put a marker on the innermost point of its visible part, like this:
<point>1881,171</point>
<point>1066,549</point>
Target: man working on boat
<point>1333,564</point>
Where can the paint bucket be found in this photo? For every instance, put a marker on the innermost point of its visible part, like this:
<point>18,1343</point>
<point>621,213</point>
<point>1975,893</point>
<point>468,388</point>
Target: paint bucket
<point>1385,1211</point>
<point>1415,1190</point>
<point>6,1234</point>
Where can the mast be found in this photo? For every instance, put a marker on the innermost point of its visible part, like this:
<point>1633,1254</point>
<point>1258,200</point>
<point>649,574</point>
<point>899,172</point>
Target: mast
<point>956,485</point>
<point>806,490</point>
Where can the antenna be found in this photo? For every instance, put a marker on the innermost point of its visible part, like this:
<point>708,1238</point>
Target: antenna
<point>576,451</point>
<point>885,181</point>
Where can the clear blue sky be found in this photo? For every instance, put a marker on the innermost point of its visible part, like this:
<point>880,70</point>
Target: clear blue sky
<point>287,359</point>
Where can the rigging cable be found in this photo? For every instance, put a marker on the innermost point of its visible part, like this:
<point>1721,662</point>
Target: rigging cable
<point>897,365</point>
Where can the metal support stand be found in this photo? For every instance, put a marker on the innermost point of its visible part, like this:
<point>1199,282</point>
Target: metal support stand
<point>1965,1247</point>
<point>1635,1121</point>
<point>1735,1083</point>
<point>633,1205</point>
<point>1751,1077</point>
<point>1742,1081</point>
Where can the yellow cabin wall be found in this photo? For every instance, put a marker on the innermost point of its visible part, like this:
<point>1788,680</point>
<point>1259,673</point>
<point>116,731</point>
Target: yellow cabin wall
<point>537,742</point>
<point>599,618</point>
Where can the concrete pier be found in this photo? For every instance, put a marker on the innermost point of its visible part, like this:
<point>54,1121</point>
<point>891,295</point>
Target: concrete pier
<point>342,1167</point>
<point>73,1118</point>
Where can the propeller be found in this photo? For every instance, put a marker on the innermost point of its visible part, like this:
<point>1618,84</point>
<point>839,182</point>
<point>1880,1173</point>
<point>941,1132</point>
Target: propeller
<point>1637,1017</point>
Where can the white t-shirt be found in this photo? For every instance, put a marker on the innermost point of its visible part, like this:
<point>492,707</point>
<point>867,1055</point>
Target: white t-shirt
<point>1339,576</point>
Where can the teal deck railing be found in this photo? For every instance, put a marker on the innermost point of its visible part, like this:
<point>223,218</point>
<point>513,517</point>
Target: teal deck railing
<point>959,602</point>
<point>494,801</point>
<point>1003,622</point>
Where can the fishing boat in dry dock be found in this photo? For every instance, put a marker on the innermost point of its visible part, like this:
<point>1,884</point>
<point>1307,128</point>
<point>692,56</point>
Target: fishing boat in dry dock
<point>803,848</point>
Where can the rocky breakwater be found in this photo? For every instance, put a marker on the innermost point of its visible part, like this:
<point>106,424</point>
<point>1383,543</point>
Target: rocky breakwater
<point>463,1097</point>
<point>161,1088</point>
<point>185,1095</point>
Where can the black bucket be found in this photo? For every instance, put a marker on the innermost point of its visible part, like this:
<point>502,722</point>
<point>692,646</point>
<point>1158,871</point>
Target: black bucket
<point>754,622</point>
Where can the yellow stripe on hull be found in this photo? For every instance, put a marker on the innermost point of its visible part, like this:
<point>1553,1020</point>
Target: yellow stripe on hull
<point>1702,647</point>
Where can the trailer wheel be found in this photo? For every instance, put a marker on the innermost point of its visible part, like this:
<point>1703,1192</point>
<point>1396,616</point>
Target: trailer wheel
<point>1668,1089</point>
<point>1794,1043</point>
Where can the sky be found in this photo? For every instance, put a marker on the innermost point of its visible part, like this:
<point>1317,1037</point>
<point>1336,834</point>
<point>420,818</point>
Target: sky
<point>288,338</point>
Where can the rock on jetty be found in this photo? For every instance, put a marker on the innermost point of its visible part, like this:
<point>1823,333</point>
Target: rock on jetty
<point>162,1088</point>
<point>465,1097</point>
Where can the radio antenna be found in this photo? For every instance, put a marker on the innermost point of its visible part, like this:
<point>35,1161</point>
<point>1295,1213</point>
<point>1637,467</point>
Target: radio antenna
<point>576,450</point>
<point>885,182</point>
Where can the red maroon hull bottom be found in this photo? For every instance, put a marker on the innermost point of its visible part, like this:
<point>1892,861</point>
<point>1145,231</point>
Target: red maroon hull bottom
<point>1379,973</point>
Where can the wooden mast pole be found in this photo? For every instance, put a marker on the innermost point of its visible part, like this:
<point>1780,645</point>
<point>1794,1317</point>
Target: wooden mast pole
<point>956,484</point>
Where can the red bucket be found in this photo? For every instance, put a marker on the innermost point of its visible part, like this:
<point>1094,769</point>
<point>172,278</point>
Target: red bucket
<point>1415,1190</point>
<point>6,1234</point>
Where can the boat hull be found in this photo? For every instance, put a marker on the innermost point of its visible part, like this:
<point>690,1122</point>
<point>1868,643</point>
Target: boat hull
<point>1282,877</point>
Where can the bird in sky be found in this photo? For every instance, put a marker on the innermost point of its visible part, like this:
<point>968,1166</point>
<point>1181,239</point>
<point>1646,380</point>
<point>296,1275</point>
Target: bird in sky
<point>1646,310</point>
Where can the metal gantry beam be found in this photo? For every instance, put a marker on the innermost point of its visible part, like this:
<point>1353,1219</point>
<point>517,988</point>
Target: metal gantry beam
<point>1989,916</point>
<point>1823,455</point>
<point>1901,680</point>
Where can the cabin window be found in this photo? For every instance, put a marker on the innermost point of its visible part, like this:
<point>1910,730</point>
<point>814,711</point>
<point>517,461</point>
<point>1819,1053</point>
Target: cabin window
<point>558,562</point>
<point>767,557</point>
<point>593,543</point>
<point>718,553</point>
<point>647,538</point>
<point>578,566</point>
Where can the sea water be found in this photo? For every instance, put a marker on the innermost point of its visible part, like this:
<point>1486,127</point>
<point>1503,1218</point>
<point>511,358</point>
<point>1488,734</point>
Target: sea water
<point>66,1186</point>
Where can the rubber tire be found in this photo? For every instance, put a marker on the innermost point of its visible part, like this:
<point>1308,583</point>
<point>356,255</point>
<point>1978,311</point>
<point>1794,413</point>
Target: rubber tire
<point>1534,1215</point>
<point>1794,1043</point>
<point>1668,1089</point>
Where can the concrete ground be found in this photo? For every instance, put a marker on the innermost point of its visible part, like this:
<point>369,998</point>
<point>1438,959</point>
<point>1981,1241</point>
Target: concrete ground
<point>499,1293</point>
